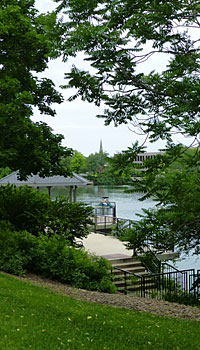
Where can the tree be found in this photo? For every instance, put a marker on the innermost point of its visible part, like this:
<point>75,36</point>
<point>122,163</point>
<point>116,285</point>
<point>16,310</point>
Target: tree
<point>25,48</point>
<point>122,165</point>
<point>78,163</point>
<point>4,172</point>
<point>134,238</point>
<point>96,162</point>
<point>119,38</point>
<point>176,220</point>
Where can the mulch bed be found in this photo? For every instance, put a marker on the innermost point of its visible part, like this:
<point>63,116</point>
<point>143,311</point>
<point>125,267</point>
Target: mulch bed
<point>153,306</point>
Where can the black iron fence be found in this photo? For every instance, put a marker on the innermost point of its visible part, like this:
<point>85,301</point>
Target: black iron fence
<point>179,286</point>
<point>169,283</point>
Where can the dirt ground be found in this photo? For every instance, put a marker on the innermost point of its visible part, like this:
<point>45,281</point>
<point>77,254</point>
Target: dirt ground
<point>153,306</point>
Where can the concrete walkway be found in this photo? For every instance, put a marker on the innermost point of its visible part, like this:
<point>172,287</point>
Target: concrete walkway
<point>110,247</point>
<point>105,246</point>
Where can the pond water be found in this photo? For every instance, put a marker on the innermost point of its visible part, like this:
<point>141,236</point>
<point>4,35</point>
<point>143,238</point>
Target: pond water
<point>128,206</point>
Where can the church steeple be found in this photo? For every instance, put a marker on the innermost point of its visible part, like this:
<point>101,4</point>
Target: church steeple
<point>101,147</point>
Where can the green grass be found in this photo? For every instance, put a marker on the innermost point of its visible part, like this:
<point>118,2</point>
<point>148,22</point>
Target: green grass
<point>32,317</point>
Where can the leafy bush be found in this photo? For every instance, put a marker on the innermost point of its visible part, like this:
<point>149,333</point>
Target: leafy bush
<point>34,232</point>
<point>96,268</point>
<point>24,208</point>
<point>27,209</point>
<point>181,297</point>
<point>4,172</point>
<point>70,220</point>
<point>21,252</point>
<point>14,250</point>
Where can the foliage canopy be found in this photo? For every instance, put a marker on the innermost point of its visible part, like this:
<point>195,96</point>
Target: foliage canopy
<point>119,39</point>
<point>25,48</point>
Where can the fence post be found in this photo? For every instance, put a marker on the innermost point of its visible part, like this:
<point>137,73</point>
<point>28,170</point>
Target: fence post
<point>125,283</point>
<point>117,226</point>
<point>114,211</point>
<point>95,223</point>
<point>142,286</point>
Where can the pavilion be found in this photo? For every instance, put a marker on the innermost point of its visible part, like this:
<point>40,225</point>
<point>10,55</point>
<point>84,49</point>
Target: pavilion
<point>38,182</point>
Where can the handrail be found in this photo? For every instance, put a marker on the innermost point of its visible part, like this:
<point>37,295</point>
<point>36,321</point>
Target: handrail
<point>155,265</point>
<point>172,267</point>
<point>126,271</point>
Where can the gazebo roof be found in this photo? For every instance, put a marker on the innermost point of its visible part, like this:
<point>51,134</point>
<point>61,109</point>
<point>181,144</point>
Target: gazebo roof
<point>37,181</point>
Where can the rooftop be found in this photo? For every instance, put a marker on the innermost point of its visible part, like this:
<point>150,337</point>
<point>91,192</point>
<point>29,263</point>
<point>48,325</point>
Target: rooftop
<point>37,181</point>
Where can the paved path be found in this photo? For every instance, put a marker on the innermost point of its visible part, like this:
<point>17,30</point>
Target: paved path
<point>111,247</point>
<point>105,246</point>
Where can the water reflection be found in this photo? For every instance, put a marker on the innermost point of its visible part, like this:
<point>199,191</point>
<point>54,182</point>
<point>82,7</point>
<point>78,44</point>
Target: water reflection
<point>128,204</point>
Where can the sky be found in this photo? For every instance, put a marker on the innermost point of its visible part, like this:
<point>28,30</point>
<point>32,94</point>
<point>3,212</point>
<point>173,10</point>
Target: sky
<point>77,120</point>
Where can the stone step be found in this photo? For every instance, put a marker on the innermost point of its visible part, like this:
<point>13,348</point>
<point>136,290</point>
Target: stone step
<point>124,265</point>
<point>133,280</point>
<point>128,267</point>
<point>133,283</point>
<point>136,288</point>
<point>123,260</point>
<point>128,276</point>
<point>139,270</point>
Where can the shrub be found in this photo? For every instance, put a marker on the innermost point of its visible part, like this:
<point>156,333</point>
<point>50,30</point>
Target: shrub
<point>96,268</point>
<point>27,209</point>
<point>24,208</point>
<point>150,260</point>
<point>14,250</point>
<point>70,220</point>
<point>182,297</point>
<point>21,252</point>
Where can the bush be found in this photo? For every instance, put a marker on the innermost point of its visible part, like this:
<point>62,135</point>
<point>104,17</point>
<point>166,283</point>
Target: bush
<point>182,297</point>
<point>150,260</point>
<point>96,268</point>
<point>21,252</point>
<point>26,209</point>
<point>14,250</point>
<point>70,220</point>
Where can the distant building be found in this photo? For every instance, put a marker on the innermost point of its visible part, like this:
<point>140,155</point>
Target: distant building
<point>141,157</point>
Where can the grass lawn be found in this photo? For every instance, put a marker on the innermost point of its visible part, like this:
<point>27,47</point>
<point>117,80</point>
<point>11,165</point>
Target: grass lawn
<point>32,317</point>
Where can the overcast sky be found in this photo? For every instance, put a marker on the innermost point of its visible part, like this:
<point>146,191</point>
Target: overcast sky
<point>76,120</point>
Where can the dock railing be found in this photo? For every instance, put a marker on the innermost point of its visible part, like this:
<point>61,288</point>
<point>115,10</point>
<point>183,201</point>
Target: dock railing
<point>102,210</point>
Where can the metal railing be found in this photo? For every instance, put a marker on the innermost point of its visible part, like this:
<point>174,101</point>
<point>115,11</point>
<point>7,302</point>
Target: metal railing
<point>179,286</point>
<point>127,278</point>
<point>166,267</point>
<point>108,222</point>
<point>169,283</point>
<point>101,210</point>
